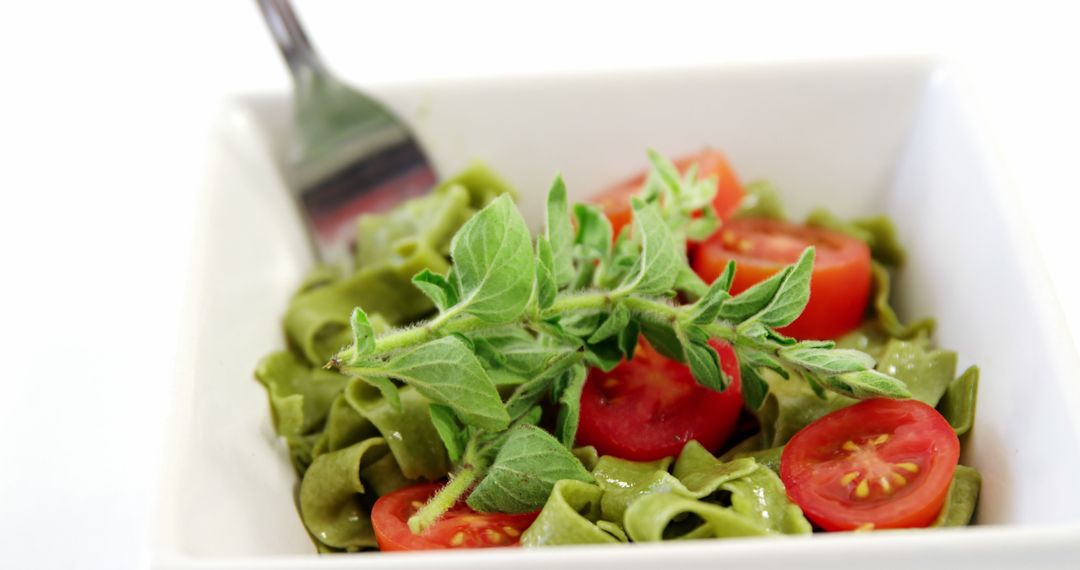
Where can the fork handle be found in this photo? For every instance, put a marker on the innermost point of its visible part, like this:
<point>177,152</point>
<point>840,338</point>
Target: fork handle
<point>291,40</point>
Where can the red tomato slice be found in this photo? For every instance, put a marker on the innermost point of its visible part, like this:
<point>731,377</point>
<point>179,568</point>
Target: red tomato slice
<point>839,286</point>
<point>461,527</point>
<point>729,193</point>
<point>878,464</point>
<point>649,407</point>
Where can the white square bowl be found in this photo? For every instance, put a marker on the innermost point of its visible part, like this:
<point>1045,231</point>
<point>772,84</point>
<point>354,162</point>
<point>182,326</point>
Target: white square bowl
<point>882,135</point>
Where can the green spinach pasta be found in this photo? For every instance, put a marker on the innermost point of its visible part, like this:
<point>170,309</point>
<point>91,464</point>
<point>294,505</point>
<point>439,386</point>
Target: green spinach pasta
<point>675,361</point>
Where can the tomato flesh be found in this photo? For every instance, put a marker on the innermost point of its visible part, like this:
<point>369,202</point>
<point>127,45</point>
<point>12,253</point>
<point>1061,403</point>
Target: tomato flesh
<point>877,464</point>
<point>839,285</point>
<point>649,407</point>
<point>729,193</point>
<point>460,527</point>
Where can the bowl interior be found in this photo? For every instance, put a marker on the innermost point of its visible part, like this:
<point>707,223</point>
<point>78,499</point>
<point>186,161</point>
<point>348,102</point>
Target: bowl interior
<point>860,137</point>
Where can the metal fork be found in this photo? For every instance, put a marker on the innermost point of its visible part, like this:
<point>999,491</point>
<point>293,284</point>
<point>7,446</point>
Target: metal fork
<point>349,154</point>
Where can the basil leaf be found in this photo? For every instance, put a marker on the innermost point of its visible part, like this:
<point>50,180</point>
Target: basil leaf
<point>524,472</point>
<point>827,361</point>
<point>448,373</point>
<point>560,233</point>
<point>493,262</point>
<point>657,268</point>
<point>453,435</point>
<point>546,286</point>
<point>791,295</point>
<point>437,288</point>
<point>866,384</point>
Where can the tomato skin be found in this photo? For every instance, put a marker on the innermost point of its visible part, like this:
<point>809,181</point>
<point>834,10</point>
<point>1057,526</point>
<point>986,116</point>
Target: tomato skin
<point>902,453</point>
<point>460,527</point>
<point>649,407</point>
<point>839,286</point>
<point>729,192</point>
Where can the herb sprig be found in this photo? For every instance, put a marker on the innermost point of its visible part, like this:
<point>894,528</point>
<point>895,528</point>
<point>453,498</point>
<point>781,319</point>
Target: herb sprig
<point>537,313</point>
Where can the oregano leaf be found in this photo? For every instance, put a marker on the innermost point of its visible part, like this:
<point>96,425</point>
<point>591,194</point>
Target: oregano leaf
<point>704,365</point>
<point>437,288</point>
<point>827,361</point>
<point>447,372</point>
<point>866,384</point>
<point>594,232</point>
<point>387,388</point>
<point>748,303</point>
<point>707,308</point>
<point>792,294</point>
<point>363,335</point>
<point>615,322</point>
<point>546,285</point>
<point>526,468</point>
<point>493,262</point>
<point>453,435</point>
<point>560,233</point>
<point>569,399</point>
<point>657,267</point>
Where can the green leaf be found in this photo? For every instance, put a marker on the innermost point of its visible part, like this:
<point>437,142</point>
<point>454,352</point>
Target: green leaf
<point>662,336</point>
<point>705,366</point>
<point>791,295</point>
<point>493,262</point>
<point>657,267</point>
<point>748,303</point>
<point>866,384</point>
<point>490,356</point>
<point>628,338</point>
<point>453,435</point>
<point>546,286</point>
<point>615,322</point>
<point>528,394</point>
<point>826,361</point>
<point>605,355</point>
<point>566,423</point>
<point>560,233</point>
<point>437,288</point>
<point>690,283</point>
<point>759,359</point>
<point>665,171</point>
<point>707,308</point>
<point>363,335</point>
<point>754,388</point>
<point>524,472</point>
<point>594,232</point>
<point>446,371</point>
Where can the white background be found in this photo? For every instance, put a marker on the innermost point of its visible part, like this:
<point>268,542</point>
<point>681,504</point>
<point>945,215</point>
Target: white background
<point>105,107</point>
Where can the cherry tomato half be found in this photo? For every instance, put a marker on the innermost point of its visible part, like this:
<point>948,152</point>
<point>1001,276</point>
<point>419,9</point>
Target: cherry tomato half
<point>729,193</point>
<point>460,527</point>
<point>877,464</point>
<point>649,407</point>
<point>839,286</point>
